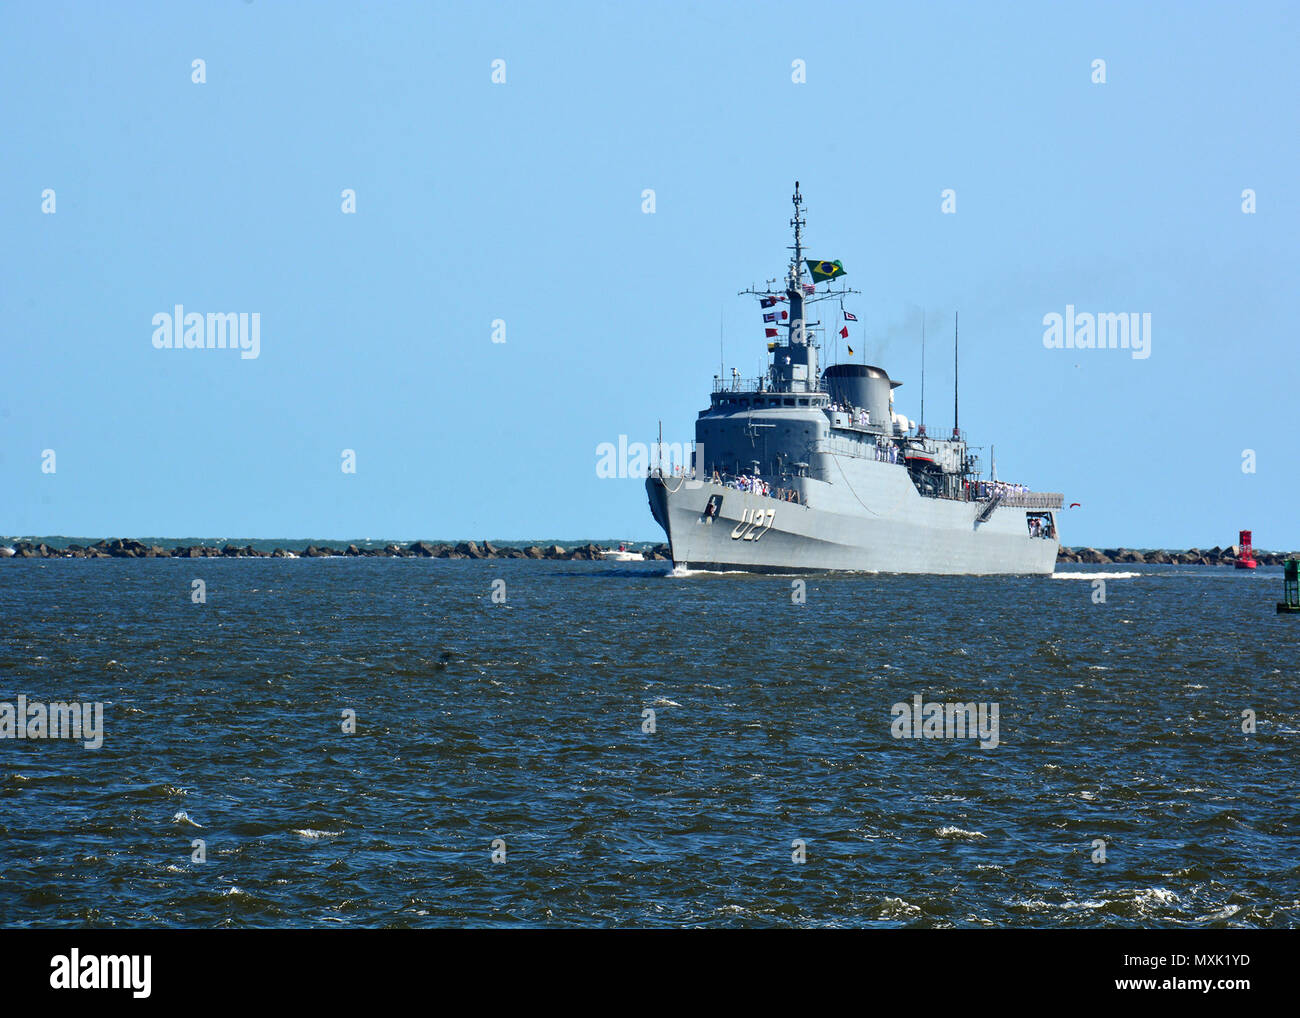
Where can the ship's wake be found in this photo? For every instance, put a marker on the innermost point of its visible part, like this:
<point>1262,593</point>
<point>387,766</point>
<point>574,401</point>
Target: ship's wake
<point>681,572</point>
<point>1094,576</point>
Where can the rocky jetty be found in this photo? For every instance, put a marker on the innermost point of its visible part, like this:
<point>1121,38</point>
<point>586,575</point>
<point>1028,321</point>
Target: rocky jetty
<point>1192,557</point>
<point>119,548</point>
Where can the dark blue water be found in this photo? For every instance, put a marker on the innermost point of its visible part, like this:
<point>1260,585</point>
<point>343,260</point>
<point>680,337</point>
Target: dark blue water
<point>523,721</point>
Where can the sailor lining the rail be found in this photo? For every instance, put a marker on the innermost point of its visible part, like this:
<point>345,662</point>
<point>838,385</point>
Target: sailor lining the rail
<point>753,485</point>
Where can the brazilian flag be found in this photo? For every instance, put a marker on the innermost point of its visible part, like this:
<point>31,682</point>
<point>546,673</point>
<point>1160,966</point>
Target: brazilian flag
<point>825,270</point>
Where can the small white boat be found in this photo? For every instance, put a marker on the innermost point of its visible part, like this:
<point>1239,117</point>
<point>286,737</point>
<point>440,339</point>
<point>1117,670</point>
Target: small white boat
<point>621,554</point>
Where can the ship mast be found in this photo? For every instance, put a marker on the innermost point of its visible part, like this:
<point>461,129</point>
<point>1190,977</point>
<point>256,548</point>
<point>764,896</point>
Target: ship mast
<point>794,366</point>
<point>955,433</point>
<point>798,331</point>
<point>921,430</point>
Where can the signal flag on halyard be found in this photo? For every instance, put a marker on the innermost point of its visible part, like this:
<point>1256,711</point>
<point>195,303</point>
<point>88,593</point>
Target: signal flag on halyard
<point>849,317</point>
<point>809,287</point>
<point>825,270</point>
<point>767,302</point>
<point>769,333</point>
<point>776,316</point>
<point>845,332</point>
<point>850,351</point>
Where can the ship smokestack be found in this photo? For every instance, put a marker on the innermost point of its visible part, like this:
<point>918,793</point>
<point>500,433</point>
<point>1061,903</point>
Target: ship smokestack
<point>862,385</point>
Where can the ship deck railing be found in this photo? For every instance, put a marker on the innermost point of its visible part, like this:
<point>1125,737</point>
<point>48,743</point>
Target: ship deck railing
<point>774,491</point>
<point>1025,499</point>
<point>741,385</point>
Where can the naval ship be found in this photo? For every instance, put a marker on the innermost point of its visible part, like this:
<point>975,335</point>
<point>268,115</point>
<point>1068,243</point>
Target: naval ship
<point>808,470</point>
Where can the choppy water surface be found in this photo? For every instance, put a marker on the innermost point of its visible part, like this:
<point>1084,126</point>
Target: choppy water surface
<point>523,722</point>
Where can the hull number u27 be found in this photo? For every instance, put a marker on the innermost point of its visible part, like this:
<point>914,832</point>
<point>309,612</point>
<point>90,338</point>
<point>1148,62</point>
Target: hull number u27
<point>751,528</point>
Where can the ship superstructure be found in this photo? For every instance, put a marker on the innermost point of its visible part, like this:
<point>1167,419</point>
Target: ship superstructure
<point>805,469</point>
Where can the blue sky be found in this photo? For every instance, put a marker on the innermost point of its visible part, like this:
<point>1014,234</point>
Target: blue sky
<point>522,202</point>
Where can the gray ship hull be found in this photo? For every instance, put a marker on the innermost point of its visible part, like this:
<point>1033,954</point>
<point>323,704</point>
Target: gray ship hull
<point>878,524</point>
